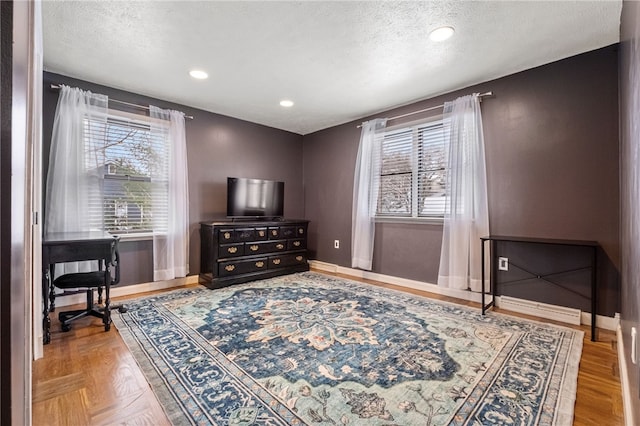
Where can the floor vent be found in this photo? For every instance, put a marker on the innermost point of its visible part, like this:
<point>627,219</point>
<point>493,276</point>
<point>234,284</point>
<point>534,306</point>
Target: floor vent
<point>530,307</point>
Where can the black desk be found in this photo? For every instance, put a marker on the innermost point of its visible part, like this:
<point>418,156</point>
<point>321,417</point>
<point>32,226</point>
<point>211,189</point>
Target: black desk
<point>70,247</point>
<point>579,243</point>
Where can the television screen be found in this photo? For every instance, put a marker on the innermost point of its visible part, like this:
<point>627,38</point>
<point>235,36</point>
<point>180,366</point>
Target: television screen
<point>254,198</point>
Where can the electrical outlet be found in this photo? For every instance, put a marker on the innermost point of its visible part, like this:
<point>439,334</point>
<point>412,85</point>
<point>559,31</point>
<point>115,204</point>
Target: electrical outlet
<point>336,244</point>
<point>503,263</point>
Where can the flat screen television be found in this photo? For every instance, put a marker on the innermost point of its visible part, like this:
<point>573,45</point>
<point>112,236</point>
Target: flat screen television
<point>254,198</point>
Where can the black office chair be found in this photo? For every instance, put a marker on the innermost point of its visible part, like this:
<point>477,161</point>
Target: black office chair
<point>78,282</point>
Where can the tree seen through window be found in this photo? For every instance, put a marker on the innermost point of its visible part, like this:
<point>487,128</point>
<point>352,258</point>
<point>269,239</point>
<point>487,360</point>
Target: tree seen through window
<point>130,157</point>
<point>413,172</point>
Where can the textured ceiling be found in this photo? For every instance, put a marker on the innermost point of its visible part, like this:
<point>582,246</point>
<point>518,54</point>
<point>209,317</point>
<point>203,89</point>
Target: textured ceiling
<point>338,61</point>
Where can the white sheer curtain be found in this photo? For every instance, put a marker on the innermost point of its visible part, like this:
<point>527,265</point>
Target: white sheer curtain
<point>171,239</point>
<point>467,213</point>
<point>365,194</point>
<point>73,178</point>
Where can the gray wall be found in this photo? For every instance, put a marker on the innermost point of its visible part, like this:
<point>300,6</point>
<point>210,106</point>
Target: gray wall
<point>217,147</point>
<point>551,136</point>
<point>630,195</point>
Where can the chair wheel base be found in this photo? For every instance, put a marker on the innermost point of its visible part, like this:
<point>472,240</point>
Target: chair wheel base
<point>122,309</point>
<point>66,327</point>
<point>107,327</point>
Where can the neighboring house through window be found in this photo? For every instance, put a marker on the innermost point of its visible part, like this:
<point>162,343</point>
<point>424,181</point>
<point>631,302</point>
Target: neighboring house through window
<point>133,159</point>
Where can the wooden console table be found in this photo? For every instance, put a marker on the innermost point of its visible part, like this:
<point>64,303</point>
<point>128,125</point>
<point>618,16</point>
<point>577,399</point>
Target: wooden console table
<point>577,243</point>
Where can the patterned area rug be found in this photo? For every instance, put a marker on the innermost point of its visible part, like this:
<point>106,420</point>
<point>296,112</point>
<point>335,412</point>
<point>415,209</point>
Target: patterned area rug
<point>314,349</point>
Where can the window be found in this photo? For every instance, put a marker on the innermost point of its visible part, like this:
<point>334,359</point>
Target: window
<point>129,157</point>
<point>413,172</point>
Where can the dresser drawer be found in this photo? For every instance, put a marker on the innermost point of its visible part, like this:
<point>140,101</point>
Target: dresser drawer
<point>260,247</point>
<point>230,250</point>
<point>226,236</point>
<point>237,267</point>
<point>274,232</point>
<point>241,234</point>
<point>288,231</point>
<point>287,260</point>
<point>261,234</point>
<point>245,234</point>
<point>297,244</point>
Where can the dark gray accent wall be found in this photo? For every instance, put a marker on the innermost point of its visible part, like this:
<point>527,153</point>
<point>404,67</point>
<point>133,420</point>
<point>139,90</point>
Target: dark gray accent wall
<point>630,192</point>
<point>217,147</point>
<point>551,136</point>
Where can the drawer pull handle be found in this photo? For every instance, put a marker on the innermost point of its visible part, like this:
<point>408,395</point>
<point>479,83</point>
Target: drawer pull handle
<point>230,268</point>
<point>261,233</point>
<point>279,246</point>
<point>227,235</point>
<point>276,261</point>
<point>299,258</point>
<point>296,243</point>
<point>259,264</point>
<point>253,248</point>
<point>274,232</point>
<point>301,231</point>
<point>232,250</point>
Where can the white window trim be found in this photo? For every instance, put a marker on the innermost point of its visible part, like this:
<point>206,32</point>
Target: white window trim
<point>422,220</point>
<point>410,219</point>
<point>136,118</point>
<point>140,236</point>
<point>143,120</point>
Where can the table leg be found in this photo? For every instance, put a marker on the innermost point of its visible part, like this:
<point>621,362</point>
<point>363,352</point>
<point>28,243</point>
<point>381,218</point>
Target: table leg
<point>46,321</point>
<point>52,292</point>
<point>106,319</point>
<point>594,292</point>
<point>483,273</point>
<point>493,282</point>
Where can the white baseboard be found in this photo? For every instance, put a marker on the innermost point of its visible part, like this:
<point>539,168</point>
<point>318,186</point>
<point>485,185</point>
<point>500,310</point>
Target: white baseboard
<point>604,322</point>
<point>624,380</point>
<point>544,310</point>
<point>389,279</point>
<point>129,290</point>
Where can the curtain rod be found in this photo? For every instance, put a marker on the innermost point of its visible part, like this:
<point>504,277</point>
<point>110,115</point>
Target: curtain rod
<point>427,109</point>
<point>57,87</point>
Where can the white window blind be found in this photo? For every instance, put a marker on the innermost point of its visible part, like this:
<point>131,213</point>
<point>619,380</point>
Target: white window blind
<point>130,162</point>
<point>413,172</point>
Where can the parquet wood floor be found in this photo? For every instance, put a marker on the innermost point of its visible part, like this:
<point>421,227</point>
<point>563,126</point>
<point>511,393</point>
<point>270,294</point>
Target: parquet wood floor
<point>89,377</point>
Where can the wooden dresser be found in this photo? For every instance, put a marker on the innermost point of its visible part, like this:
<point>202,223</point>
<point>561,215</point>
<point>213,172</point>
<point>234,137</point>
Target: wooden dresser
<point>241,251</point>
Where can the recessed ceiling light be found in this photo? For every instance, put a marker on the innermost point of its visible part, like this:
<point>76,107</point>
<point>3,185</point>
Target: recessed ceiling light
<point>441,34</point>
<point>198,74</point>
<point>286,103</point>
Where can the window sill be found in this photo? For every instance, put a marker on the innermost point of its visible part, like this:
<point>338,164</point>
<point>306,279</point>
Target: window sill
<point>140,236</point>
<point>411,220</point>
